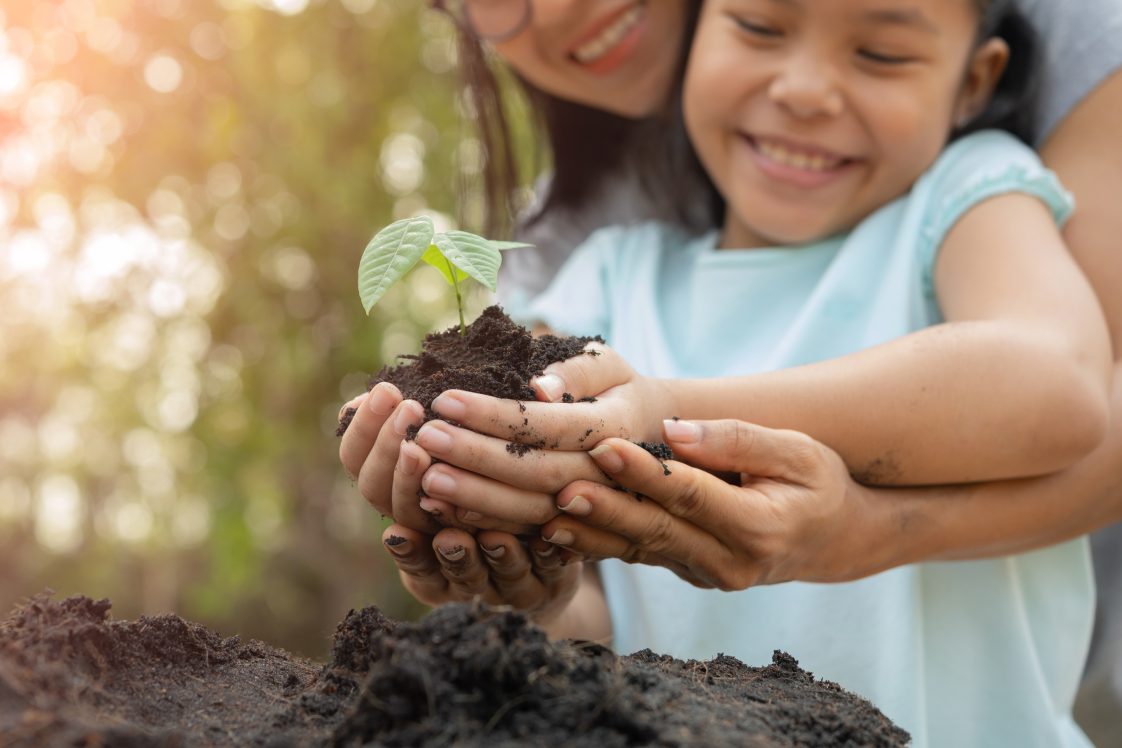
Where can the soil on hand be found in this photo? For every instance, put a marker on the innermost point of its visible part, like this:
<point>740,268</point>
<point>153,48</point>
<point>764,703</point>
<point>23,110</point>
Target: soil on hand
<point>466,675</point>
<point>495,357</point>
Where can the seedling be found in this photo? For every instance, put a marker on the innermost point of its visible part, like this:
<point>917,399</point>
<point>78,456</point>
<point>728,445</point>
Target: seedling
<point>458,255</point>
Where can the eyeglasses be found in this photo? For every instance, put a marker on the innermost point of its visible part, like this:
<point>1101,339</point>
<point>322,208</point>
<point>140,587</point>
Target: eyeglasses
<point>488,20</point>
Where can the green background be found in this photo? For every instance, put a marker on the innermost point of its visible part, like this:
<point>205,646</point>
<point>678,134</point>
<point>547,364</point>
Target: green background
<point>186,187</point>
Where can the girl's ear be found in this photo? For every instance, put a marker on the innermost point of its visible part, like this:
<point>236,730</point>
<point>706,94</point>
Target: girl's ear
<point>982,74</point>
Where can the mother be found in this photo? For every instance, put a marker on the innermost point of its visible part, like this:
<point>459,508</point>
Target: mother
<point>623,66</point>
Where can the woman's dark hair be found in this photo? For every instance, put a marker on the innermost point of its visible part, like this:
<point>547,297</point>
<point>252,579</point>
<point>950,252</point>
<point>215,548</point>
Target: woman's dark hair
<point>587,145</point>
<point>1013,106</point>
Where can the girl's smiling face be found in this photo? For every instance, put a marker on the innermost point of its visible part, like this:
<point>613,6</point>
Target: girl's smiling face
<point>811,114</point>
<point>617,55</point>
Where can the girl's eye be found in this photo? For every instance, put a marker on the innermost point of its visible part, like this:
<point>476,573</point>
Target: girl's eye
<point>757,28</point>
<point>883,59</point>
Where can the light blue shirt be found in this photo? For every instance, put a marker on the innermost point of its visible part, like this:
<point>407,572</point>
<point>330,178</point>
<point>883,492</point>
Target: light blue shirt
<point>984,653</point>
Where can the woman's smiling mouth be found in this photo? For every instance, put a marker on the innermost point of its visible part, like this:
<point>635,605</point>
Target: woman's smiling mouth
<point>612,42</point>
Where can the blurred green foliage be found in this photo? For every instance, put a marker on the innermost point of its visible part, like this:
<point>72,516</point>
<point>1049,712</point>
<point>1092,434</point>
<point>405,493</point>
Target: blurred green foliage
<point>186,187</point>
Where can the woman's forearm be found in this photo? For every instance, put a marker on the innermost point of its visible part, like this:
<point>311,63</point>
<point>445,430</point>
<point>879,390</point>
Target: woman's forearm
<point>1000,518</point>
<point>954,403</point>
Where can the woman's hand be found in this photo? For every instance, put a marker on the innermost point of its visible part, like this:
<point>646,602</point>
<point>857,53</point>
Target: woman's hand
<point>797,514</point>
<point>452,566</point>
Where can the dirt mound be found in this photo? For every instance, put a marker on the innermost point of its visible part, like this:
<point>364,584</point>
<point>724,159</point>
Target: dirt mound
<point>466,675</point>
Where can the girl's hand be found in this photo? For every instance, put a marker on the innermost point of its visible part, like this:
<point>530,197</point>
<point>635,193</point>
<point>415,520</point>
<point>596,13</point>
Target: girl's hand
<point>474,480</point>
<point>453,566</point>
<point>370,451</point>
<point>627,405</point>
<point>797,514</point>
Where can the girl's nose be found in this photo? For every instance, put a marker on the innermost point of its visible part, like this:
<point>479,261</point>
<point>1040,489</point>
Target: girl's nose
<point>807,88</point>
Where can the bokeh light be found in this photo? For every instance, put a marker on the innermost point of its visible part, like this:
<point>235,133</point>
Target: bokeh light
<point>185,189</point>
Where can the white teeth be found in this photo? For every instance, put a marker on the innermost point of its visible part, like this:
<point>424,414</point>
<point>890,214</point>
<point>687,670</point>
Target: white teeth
<point>594,49</point>
<point>806,161</point>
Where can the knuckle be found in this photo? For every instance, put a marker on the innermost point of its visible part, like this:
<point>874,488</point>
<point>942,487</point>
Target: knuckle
<point>633,553</point>
<point>542,511</point>
<point>728,579</point>
<point>551,476</point>
<point>743,437</point>
<point>660,533</point>
<point>802,450</point>
<point>508,576</point>
<point>688,501</point>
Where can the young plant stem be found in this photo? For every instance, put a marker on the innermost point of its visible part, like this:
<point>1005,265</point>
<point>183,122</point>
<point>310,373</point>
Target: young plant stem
<point>459,299</point>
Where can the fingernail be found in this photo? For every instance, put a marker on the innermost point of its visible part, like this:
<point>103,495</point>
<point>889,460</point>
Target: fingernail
<point>434,439</point>
<point>607,458</point>
<point>560,537</point>
<point>430,508</point>
<point>438,484</point>
<point>497,552</point>
<point>449,406</point>
<point>397,545</point>
<point>552,386</point>
<point>577,505</point>
<point>351,404</point>
<point>381,401</point>
<point>407,463</point>
<point>684,432</point>
<point>455,553</point>
<point>470,516</point>
<point>403,420</point>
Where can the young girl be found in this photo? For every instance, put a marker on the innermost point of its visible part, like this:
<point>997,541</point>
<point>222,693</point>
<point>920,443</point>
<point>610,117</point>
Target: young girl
<point>814,122</point>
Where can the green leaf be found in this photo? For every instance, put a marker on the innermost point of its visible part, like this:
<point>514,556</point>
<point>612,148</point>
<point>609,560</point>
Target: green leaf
<point>434,257</point>
<point>390,255</point>
<point>504,246</point>
<point>472,254</point>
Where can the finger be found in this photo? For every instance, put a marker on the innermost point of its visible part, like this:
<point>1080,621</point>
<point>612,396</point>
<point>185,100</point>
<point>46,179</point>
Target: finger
<point>596,543</point>
<point>684,491</point>
<point>567,427</point>
<point>600,369</point>
<point>647,527</point>
<point>546,471</point>
<point>460,563</point>
<point>375,479</point>
<point>412,462</point>
<point>350,408</point>
<point>512,573</point>
<point>370,414</point>
<point>416,562</point>
<point>741,447</point>
<point>518,511</point>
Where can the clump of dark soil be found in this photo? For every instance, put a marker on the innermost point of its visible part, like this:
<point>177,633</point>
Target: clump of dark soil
<point>496,357</point>
<point>466,675</point>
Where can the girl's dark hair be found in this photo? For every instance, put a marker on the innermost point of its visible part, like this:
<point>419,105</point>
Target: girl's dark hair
<point>1013,106</point>
<point>587,145</point>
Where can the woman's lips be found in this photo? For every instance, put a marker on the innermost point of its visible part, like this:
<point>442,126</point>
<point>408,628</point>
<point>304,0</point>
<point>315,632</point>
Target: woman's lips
<point>613,41</point>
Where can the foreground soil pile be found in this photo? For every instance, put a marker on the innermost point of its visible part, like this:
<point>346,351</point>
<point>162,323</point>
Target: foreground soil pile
<point>465,675</point>
<point>496,357</point>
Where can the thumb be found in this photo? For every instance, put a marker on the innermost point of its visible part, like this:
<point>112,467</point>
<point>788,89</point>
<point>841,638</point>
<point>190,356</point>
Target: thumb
<point>741,447</point>
<point>588,374</point>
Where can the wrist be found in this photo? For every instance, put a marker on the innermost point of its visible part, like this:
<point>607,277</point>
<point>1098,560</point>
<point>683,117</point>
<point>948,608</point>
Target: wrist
<point>666,399</point>
<point>884,528</point>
